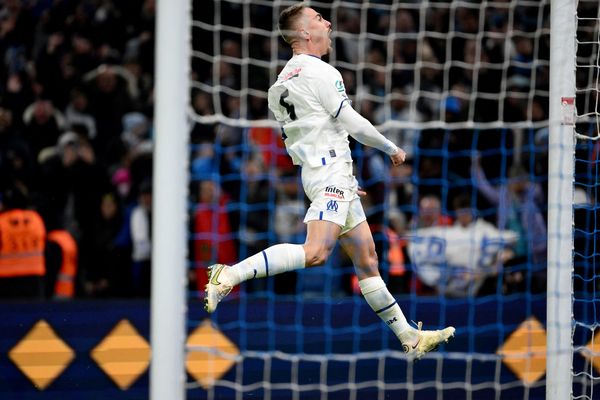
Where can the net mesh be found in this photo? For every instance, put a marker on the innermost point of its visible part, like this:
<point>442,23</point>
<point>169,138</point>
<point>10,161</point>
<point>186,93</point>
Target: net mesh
<point>463,87</point>
<point>586,284</point>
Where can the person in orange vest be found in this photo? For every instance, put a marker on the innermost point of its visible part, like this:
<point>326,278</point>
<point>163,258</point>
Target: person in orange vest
<point>395,233</point>
<point>62,284</point>
<point>22,244</point>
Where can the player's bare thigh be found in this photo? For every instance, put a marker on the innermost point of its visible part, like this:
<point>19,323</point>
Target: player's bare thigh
<point>359,245</point>
<point>321,238</point>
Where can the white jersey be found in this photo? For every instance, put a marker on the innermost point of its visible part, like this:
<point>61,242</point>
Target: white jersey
<point>306,99</point>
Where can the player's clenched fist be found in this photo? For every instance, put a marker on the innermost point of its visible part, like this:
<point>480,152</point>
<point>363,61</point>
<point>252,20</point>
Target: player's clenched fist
<point>398,157</point>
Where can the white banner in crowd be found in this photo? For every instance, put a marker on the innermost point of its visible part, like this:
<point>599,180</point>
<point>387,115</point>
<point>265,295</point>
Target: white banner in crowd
<point>457,259</point>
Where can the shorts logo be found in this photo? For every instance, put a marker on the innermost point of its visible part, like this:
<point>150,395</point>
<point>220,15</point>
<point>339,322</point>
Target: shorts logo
<point>332,205</point>
<point>334,192</point>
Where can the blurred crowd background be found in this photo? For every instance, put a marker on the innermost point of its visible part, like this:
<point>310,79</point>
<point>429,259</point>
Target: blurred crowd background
<point>76,110</point>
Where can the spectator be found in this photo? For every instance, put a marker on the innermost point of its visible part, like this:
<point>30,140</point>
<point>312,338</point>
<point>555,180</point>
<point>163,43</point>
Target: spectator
<point>22,244</point>
<point>518,210</point>
<point>430,213</point>
<point>141,235</point>
<point>71,185</point>
<point>42,125</point>
<point>16,163</point>
<point>495,246</point>
<point>61,270</point>
<point>429,83</point>
<point>18,95</point>
<point>136,132</point>
<point>213,237</point>
<point>400,111</point>
<point>141,45</point>
<point>457,259</point>
<point>55,71</point>
<point>77,113</point>
<point>16,40</point>
<point>202,105</point>
<point>109,101</point>
<point>347,46</point>
<point>289,209</point>
<point>517,206</point>
<point>396,255</point>
<point>203,164</point>
<point>106,261</point>
<point>254,226</point>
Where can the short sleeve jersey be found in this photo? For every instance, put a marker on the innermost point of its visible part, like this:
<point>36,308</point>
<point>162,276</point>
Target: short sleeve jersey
<point>306,99</point>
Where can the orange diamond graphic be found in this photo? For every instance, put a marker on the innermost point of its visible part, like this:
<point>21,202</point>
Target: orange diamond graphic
<point>208,366</point>
<point>41,355</point>
<point>592,351</point>
<point>123,354</point>
<point>525,351</point>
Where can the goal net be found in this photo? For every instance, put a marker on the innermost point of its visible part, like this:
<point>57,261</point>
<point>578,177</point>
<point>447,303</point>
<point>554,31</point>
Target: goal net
<point>463,87</point>
<point>586,285</point>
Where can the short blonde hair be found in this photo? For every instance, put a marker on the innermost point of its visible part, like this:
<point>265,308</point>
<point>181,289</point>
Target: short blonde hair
<point>287,19</point>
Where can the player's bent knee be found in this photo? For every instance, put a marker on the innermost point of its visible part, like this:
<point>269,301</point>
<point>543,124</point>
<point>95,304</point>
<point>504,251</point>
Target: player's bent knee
<point>370,260</point>
<point>316,260</point>
<point>368,269</point>
<point>367,266</point>
<point>316,256</point>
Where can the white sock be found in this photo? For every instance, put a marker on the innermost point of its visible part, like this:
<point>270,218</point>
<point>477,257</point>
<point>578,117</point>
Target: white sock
<point>272,261</point>
<point>384,305</point>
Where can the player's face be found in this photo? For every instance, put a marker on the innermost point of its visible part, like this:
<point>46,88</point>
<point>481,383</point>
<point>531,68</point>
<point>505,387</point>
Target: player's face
<point>319,29</point>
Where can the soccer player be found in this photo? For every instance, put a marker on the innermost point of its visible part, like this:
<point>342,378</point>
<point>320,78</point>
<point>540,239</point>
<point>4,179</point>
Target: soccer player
<point>310,101</point>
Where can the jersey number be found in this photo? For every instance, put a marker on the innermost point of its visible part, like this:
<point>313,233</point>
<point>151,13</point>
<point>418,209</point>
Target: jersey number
<point>288,106</point>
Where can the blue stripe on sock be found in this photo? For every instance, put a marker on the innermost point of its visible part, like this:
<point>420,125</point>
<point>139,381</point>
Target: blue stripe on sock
<point>266,263</point>
<point>323,160</point>
<point>385,308</point>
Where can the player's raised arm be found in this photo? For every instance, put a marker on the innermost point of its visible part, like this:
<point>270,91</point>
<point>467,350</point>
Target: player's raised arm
<point>362,130</point>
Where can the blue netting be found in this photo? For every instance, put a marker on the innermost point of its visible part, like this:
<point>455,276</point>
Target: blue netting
<point>318,311</point>
<point>459,85</point>
<point>586,281</point>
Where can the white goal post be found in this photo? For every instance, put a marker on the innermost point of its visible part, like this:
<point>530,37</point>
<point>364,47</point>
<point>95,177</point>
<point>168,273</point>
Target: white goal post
<point>170,180</point>
<point>560,200</point>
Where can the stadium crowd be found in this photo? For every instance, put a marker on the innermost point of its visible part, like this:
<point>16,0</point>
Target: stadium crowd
<point>75,137</point>
<point>76,109</point>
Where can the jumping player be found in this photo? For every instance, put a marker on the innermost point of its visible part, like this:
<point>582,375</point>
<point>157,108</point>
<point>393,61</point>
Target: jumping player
<point>310,101</point>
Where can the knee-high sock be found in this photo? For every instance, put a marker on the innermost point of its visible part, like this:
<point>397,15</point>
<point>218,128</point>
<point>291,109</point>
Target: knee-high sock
<point>384,305</point>
<point>272,261</point>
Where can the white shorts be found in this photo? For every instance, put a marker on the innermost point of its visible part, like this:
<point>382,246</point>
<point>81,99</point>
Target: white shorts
<point>332,190</point>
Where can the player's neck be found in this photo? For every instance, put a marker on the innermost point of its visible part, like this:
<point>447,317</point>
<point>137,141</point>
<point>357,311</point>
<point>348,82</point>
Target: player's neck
<point>297,50</point>
<point>307,54</point>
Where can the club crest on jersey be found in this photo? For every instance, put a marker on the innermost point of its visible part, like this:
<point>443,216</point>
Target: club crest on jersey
<point>332,205</point>
<point>339,85</point>
<point>293,74</point>
<point>334,192</point>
